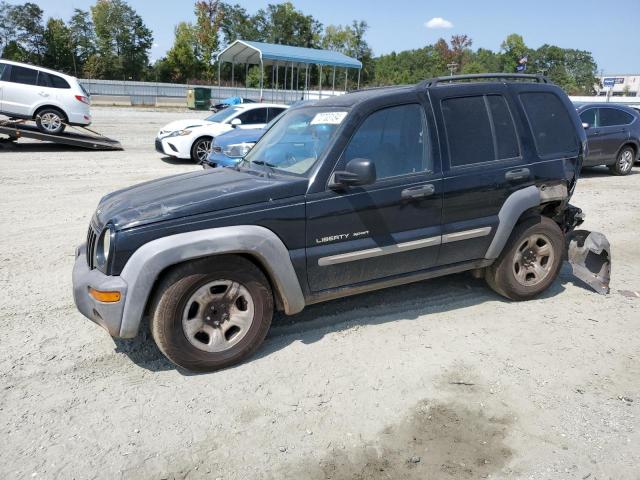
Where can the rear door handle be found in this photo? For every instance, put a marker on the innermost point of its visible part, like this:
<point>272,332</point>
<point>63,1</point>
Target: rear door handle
<point>418,192</point>
<point>518,174</point>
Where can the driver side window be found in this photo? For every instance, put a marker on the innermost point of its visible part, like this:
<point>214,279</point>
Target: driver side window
<point>395,139</point>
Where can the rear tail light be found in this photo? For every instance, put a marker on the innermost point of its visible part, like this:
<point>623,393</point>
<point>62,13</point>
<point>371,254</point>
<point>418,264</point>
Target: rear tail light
<point>82,99</point>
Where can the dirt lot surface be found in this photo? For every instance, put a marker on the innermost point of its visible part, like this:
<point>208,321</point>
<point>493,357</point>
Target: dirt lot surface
<point>437,380</point>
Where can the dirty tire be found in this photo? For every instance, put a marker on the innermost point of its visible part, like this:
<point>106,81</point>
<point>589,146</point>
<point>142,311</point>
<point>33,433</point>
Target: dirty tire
<point>177,289</point>
<point>200,149</point>
<point>51,121</point>
<point>624,161</point>
<point>501,275</point>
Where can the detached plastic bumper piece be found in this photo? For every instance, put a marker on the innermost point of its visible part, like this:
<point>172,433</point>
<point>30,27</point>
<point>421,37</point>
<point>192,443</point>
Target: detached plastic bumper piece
<point>589,254</point>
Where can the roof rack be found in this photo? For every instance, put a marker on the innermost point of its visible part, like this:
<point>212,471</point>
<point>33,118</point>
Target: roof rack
<point>484,76</point>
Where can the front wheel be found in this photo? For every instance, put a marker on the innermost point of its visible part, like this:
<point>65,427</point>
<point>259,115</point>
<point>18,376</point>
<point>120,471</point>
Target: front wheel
<point>201,149</point>
<point>530,261</point>
<point>212,313</point>
<point>51,121</point>
<point>624,162</point>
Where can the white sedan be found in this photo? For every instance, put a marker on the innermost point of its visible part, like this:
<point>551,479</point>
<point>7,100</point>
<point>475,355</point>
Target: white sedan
<point>193,138</point>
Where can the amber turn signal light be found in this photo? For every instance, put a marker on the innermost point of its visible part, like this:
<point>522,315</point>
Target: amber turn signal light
<point>105,297</point>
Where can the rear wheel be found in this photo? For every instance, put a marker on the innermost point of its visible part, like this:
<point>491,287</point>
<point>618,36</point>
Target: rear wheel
<point>530,261</point>
<point>201,149</point>
<point>51,121</point>
<point>212,313</point>
<point>624,161</point>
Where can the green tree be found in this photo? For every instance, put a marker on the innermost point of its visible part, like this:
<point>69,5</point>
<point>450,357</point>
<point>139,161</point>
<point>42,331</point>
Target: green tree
<point>514,49</point>
<point>237,24</point>
<point>58,51</point>
<point>123,40</point>
<point>208,20</point>
<point>83,38</point>
<point>283,24</point>
<point>21,32</point>
<point>183,59</point>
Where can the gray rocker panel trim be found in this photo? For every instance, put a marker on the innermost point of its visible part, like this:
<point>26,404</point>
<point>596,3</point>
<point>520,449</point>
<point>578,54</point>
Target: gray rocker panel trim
<point>144,266</point>
<point>517,203</point>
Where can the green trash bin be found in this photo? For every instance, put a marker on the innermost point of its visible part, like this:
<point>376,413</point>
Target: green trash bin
<point>199,98</point>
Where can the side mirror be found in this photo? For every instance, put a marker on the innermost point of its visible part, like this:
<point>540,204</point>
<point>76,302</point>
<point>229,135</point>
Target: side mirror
<point>585,125</point>
<point>358,171</point>
<point>235,122</point>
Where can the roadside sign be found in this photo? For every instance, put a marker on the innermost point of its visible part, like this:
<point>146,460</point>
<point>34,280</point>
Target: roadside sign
<point>608,82</point>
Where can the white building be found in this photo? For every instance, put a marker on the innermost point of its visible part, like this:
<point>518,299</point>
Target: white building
<point>620,85</point>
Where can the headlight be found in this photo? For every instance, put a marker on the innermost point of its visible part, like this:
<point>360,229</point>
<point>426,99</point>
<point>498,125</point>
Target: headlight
<point>103,248</point>
<point>180,133</point>
<point>238,150</point>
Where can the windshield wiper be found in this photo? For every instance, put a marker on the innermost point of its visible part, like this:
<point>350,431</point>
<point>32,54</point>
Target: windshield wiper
<point>262,162</point>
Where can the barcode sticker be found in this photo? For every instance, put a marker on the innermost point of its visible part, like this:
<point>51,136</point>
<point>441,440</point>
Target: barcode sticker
<point>328,118</point>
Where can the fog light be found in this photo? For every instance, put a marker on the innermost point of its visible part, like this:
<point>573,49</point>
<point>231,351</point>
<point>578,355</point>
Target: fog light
<point>104,297</point>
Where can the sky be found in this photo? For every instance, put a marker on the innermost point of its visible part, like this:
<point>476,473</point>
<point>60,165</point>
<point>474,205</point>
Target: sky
<point>609,30</point>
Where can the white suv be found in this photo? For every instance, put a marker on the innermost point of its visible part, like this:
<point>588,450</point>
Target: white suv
<point>51,98</point>
<point>193,138</point>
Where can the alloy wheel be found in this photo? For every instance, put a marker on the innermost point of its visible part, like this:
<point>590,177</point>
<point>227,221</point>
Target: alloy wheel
<point>50,121</point>
<point>625,160</point>
<point>203,149</point>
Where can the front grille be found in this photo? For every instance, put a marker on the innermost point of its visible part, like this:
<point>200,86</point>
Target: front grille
<point>159,145</point>
<point>92,236</point>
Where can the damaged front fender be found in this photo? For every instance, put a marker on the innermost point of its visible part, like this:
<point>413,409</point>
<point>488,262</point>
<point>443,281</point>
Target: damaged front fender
<point>589,254</point>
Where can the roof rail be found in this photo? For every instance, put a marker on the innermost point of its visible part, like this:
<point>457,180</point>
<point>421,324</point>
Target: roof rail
<point>484,76</point>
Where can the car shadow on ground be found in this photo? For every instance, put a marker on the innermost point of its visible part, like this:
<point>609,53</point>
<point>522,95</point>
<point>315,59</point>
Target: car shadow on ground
<point>177,161</point>
<point>602,171</point>
<point>407,302</point>
<point>36,147</point>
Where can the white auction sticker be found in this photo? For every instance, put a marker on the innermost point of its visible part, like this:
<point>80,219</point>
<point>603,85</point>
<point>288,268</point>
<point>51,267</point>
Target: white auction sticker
<point>328,118</point>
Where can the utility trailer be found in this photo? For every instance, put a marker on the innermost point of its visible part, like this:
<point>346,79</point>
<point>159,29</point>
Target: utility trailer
<point>15,129</point>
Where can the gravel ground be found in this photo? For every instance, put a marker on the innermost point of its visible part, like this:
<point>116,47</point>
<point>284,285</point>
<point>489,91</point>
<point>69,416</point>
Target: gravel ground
<point>440,379</point>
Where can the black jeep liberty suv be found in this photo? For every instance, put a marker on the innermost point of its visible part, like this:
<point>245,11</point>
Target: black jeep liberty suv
<point>345,195</point>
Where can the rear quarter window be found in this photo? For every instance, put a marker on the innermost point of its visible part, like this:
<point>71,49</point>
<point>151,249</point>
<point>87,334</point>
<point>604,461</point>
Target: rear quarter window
<point>610,117</point>
<point>551,125</point>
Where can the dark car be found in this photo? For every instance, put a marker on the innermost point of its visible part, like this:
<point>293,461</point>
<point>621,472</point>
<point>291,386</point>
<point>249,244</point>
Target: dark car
<point>613,136</point>
<point>349,194</point>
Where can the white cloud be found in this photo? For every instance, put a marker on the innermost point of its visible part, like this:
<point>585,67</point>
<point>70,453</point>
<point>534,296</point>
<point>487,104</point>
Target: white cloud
<point>155,45</point>
<point>438,22</point>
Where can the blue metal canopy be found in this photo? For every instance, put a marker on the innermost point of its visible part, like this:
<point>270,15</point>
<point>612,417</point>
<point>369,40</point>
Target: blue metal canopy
<point>245,51</point>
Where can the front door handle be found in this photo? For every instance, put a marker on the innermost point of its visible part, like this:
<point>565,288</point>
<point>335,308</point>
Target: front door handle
<point>517,174</point>
<point>418,192</point>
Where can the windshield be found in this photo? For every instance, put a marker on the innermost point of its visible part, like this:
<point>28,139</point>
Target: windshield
<point>222,115</point>
<point>297,140</point>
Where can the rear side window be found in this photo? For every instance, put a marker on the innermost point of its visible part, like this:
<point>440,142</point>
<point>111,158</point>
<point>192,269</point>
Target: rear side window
<point>479,129</point>
<point>395,139</point>
<point>254,116</point>
<point>273,113</point>
<point>506,139</point>
<point>51,81</point>
<point>610,117</point>
<point>552,128</point>
<point>26,76</point>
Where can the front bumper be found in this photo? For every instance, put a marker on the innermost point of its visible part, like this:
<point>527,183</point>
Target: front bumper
<point>107,315</point>
<point>179,147</point>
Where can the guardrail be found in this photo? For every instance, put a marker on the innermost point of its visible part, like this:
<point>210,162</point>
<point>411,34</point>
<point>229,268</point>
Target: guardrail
<point>120,92</point>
